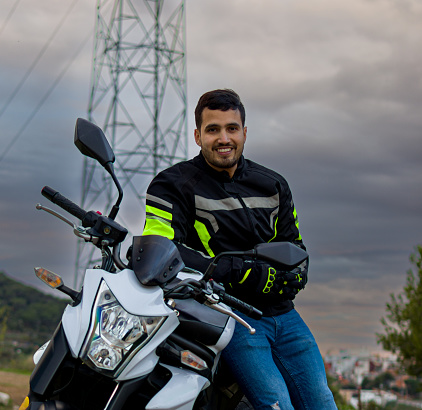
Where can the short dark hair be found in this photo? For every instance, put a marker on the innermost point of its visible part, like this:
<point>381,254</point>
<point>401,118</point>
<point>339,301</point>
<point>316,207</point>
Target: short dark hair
<point>223,100</point>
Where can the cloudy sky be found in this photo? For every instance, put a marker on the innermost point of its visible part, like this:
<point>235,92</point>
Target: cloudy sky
<point>333,94</point>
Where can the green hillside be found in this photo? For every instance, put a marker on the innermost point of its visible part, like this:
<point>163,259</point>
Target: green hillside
<point>28,318</point>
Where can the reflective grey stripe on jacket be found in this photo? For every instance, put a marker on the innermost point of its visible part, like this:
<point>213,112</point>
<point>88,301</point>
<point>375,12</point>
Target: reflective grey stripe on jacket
<point>157,200</point>
<point>203,204</point>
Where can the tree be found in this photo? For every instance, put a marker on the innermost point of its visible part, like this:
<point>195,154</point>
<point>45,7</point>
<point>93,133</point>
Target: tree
<point>402,324</point>
<point>382,381</point>
<point>413,386</point>
<point>338,398</point>
<point>3,323</point>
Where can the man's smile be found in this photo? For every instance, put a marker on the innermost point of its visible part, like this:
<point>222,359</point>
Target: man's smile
<point>224,150</point>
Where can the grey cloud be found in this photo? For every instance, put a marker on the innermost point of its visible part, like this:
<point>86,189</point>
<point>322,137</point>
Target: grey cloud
<point>332,93</point>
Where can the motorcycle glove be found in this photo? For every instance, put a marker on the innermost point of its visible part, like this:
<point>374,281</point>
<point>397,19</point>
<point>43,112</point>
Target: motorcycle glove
<point>291,283</point>
<point>265,279</point>
<point>259,276</point>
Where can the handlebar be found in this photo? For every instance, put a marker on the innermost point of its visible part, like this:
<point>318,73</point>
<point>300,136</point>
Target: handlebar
<point>241,306</point>
<point>64,203</point>
<point>103,230</point>
<point>233,302</point>
<point>203,292</point>
<point>88,218</point>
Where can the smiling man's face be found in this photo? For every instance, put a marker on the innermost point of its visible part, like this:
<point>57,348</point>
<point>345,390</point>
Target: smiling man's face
<point>221,138</point>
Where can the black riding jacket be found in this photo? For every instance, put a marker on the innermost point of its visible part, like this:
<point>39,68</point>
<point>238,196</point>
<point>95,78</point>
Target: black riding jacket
<point>204,212</point>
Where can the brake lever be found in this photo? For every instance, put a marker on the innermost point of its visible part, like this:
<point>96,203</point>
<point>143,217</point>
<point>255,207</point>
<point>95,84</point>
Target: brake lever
<point>56,214</point>
<point>212,301</point>
<point>79,231</point>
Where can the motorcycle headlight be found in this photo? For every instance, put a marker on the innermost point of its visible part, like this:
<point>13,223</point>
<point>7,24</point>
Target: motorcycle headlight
<point>115,334</point>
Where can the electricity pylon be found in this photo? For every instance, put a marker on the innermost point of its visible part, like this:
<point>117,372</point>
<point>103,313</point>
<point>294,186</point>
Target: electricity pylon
<point>138,98</point>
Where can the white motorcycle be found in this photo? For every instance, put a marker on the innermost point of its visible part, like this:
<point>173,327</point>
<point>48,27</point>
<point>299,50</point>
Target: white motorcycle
<point>143,335</point>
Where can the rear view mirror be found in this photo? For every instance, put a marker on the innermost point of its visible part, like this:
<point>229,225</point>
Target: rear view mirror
<point>91,141</point>
<point>281,253</point>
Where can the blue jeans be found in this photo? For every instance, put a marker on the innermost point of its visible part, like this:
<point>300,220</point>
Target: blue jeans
<point>280,366</point>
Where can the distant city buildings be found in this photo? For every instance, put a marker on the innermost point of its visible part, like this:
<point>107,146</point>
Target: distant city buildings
<point>352,368</point>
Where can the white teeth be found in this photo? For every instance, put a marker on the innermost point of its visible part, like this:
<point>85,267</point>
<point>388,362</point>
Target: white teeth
<point>224,150</point>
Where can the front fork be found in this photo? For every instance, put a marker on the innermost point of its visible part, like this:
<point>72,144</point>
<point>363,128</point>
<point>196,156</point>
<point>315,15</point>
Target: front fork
<point>45,369</point>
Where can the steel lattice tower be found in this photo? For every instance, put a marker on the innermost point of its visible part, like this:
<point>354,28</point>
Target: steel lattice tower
<point>138,98</point>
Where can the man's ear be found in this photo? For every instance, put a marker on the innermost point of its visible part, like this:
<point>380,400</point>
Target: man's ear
<point>197,137</point>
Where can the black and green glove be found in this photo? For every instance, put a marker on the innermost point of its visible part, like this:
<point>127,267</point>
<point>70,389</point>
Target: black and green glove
<point>258,276</point>
<point>290,283</point>
<point>266,280</point>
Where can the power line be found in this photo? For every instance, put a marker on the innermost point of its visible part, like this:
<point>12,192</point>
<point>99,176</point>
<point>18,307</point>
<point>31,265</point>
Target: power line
<point>37,59</point>
<point>45,97</point>
<point>12,10</point>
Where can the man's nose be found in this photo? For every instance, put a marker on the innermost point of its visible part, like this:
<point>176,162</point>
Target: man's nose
<point>224,137</point>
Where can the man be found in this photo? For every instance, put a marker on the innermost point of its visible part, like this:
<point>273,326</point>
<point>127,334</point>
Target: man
<point>220,201</point>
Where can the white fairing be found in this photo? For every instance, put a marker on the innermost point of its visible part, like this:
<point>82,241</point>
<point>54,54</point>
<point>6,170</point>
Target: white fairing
<point>38,354</point>
<point>180,392</point>
<point>229,329</point>
<point>135,299</point>
<point>225,337</point>
<point>184,386</point>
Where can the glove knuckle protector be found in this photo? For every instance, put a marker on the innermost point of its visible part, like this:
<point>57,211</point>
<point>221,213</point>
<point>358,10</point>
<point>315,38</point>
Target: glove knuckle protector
<point>264,279</point>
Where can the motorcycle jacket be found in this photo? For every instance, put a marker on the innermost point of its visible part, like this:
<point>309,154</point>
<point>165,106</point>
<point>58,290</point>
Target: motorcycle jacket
<point>205,212</point>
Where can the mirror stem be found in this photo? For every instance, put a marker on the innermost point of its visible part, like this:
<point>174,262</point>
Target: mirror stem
<point>110,169</point>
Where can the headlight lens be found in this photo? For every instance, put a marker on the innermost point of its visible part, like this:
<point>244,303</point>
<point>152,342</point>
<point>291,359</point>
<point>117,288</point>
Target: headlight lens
<point>116,335</point>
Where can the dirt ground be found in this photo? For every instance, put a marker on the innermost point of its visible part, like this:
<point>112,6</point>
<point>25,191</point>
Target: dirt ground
<point>15,385</point>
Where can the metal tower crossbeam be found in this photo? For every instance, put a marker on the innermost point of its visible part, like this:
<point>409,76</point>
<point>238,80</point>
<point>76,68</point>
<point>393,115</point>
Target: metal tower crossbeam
<point>138,98</point>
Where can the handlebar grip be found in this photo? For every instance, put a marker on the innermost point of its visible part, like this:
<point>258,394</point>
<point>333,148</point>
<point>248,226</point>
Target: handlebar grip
<point>64,203</point>
<point>241,306</point>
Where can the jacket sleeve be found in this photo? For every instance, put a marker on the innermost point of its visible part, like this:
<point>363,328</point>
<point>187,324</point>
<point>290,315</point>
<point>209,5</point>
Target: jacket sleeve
<point>170,212</point>
<point>287,223</point>
<point>287,226</point>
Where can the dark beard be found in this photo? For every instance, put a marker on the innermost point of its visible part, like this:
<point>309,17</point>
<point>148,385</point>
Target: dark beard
<point>222,163</point>
<point>225,164</point>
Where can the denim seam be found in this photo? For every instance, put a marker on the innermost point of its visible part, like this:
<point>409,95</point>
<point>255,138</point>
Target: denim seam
<point>301,393</point>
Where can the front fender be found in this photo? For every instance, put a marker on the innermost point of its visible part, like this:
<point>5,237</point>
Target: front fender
<point>180,392</point>
<point>53,356</point>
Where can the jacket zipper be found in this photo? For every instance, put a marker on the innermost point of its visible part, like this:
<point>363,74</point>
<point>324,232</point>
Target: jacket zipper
<point>245,208</point>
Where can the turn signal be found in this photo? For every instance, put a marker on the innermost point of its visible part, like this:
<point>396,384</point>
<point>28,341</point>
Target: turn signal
<point>25,404</point>
<point>50,278</point>
<point>192,360</point>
